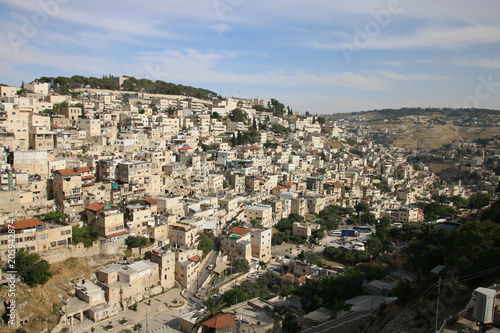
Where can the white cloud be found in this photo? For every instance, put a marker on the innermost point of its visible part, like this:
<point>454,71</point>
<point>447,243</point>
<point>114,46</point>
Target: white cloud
<point>220,28</point>
<point>430,37</point>
<point>479,62</point>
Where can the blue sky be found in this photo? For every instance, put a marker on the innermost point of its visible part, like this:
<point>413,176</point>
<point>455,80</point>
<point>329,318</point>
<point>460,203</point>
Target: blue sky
<point>321,56</point>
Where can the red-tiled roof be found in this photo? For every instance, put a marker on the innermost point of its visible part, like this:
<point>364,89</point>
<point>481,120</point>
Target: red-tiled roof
<point>96,206</point>
<point>87,177</point>
<point>239,231</point>
<point>253,147</point>
<point>118,234</point>
<point>257,176</point>
<point>195,258</point>
<point>289,184</point>
<point>68,172</point>
<point>28,223</point>
<point>222,320</point>
<point>150,201</point>
<point>84,169</point>
<point>296,280</point>
<point>281,187</point>
<point>185,148</point>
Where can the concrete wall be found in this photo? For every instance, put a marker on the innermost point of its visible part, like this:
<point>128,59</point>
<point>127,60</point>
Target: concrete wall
<point>80,251</point>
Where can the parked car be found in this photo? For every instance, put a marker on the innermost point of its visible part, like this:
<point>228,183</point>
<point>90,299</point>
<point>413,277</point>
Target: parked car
<point>210,267</point>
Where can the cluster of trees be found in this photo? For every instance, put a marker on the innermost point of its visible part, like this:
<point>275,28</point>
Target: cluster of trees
<point>205,244</point>
<point>62,85</point>
<point>32,269</point>
<point>331,291</point>
<point>85,234</point>
<point>238,115</point>
<point>284,227</point>
<point>242,138</point>
<point>280,129</point>
<point>346,257</point>
<point>266,287</point>
<point>136,241</point>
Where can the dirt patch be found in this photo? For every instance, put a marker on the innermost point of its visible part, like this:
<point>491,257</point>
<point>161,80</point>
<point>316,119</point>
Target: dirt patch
<point>40,305</point>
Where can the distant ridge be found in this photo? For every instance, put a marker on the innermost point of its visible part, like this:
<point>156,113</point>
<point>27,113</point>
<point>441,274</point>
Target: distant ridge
<point>62,85</point>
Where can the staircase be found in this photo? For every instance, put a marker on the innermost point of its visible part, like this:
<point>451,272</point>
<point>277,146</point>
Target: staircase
<point>468,312</point>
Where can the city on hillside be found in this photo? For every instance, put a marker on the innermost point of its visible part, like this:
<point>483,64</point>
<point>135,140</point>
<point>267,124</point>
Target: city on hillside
<point>138,206</point>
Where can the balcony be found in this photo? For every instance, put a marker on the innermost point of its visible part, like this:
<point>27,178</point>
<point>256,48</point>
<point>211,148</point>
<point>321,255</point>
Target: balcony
<point>73,195</point>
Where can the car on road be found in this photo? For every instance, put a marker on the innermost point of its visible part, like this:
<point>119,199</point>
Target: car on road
<point>210,267</point>
<point>311,247</point>
<point>300,245</point>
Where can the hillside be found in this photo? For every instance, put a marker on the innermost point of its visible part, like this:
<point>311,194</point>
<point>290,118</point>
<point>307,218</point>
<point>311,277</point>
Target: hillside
<point>425,128</point>
<point>63,85</point>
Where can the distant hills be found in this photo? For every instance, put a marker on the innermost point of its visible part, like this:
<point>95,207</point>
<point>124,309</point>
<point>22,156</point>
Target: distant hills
<point>63,85</point>
<point>374,115</point>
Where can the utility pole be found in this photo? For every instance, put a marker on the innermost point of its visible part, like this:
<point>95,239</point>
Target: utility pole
<point>437,306</point>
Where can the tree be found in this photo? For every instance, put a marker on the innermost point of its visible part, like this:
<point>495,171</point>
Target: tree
<point>238,115</point>
<point>205,244</point>
<point>32,269</point>
<point>136,241</point>
<point>234,296</point>
<point>211,307</point>
<point>479,200</point>
<point>240,265</point>
<point>374,246</point>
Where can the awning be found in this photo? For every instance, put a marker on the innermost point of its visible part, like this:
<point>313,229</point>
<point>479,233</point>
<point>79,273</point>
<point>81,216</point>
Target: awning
<point>220,267</point>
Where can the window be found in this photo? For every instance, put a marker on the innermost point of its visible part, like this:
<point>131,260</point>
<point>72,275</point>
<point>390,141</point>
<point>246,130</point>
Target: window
<point>52,244</point>
<point>61,242</point>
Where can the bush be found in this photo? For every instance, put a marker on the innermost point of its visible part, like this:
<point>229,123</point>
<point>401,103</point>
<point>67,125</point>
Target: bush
<point>136,241</point>
<point>32,269</point>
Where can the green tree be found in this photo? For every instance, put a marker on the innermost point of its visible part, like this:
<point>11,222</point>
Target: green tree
<point>211,307</point>
<point>239,265</point>
<point>205,244</point>
<point>374,246</point>
<point>136,241</point>
<point>32,269</point>
<point>238,115</point>
<point>479,200</point>
<point>234,296</point>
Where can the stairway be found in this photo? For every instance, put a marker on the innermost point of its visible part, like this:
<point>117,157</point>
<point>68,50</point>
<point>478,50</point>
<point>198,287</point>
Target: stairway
<point>468,312</point>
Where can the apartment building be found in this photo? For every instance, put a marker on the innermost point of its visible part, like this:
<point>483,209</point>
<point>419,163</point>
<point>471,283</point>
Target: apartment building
<point>261,243</point>
<point>183,235</point>
<point>107,219</point>
<point>35,236</point>
<point>236,243</point>
<point>41,137</point>
<point>125,284</point>
<point>67,189</point>
<point>263,214</point>
<point>167,264</point>
<point>138,218</point>
<point>187,271</point>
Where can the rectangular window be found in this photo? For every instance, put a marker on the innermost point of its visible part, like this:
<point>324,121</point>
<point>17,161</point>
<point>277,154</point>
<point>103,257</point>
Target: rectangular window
<point>52,244</point>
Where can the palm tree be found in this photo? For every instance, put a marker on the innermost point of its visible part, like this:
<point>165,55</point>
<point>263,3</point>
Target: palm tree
<point>211,307</point>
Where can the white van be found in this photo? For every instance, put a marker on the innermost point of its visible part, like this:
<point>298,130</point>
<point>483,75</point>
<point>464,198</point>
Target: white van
<point>336,233</point>
<point>398,225</point>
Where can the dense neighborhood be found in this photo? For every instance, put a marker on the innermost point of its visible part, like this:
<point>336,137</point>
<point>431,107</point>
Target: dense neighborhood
<point>203,201</point>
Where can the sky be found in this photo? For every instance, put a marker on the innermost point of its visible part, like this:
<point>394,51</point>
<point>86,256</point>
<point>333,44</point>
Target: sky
<point>324,56</point>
